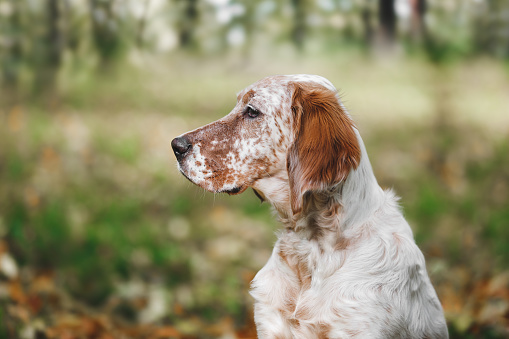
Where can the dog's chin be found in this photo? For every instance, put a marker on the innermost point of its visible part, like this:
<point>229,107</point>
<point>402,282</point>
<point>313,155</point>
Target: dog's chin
<point>208,187</point>
<point>231,191</point>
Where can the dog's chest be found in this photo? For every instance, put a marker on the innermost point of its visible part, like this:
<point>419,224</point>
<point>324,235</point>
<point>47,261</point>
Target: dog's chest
<point>306,279</point>
<point>300,276</point>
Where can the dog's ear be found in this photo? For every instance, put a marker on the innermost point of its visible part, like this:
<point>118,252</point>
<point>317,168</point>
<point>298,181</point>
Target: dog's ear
<point>325,147</point>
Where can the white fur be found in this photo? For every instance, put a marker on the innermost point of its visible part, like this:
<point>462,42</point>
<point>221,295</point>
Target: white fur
<point>378,288</point>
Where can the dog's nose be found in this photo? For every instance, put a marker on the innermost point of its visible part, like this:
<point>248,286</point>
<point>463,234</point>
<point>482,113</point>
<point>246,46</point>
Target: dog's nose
<point>180,147</point>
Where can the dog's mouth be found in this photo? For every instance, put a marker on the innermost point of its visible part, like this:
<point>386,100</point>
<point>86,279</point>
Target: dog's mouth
<point>231,191</point>
<point>234,191</point>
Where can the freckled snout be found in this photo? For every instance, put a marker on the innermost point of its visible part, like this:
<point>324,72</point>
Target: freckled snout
<point>181,146</point>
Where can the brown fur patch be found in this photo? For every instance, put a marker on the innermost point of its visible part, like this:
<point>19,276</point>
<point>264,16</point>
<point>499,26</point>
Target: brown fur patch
<point>325,149</point>
<point>287,254</point>
<point>352,333</point>
<point>250,94</point>
<point>342,243</point>
<point>323,331</point>
<point>301,270</point>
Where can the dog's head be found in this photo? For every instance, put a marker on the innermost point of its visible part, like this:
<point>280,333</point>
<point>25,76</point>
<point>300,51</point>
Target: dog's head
<point>289,123</point>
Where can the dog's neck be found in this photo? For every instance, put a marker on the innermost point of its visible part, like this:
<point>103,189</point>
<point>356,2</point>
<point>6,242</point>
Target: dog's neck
<point>360,194</point>
<point>340,209</point>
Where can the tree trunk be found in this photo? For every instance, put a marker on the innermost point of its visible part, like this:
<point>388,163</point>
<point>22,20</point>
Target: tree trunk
<point>387,18</point>
<point>104,30</point>
<point>51,48</point>
<point>299,23</point>
<point>187,24</point>
<point>418,25</point>
<point>54,34</point>
<point>13,53</point>
<point>368,26</point>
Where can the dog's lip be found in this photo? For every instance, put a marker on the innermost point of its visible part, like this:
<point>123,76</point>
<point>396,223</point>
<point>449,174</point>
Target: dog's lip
<point>235,190</point>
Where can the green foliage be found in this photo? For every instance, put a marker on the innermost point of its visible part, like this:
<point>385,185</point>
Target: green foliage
<point>431,202</point>
<point>40,41</point>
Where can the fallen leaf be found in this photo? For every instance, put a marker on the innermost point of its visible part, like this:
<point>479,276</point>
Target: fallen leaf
<point>166,332</point>
<point>16,292</point>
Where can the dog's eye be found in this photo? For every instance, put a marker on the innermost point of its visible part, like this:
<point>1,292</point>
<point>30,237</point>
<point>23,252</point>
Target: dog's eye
<point>251,112</point>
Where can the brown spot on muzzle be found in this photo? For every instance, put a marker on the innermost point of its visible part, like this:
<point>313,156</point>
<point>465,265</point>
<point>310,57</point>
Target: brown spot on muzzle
<point>215,141</point>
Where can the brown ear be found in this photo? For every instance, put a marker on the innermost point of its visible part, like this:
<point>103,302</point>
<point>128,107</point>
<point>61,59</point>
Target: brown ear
<point>325,148</point>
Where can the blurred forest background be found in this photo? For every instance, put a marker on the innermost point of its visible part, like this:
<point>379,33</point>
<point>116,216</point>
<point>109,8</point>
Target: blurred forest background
<point>101,237</point>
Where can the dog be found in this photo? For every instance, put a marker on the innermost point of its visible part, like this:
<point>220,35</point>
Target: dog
<point>345,264</point>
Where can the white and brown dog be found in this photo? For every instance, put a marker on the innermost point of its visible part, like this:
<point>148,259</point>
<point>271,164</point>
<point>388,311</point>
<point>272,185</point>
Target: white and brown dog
<point>346,264</point>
